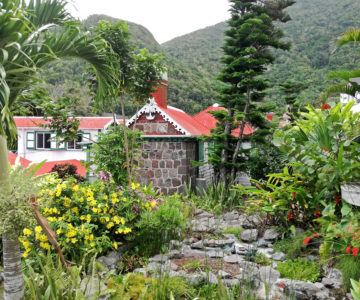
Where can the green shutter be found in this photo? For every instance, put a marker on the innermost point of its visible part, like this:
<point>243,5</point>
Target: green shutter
<point>30,140</point>
<point>201,150</point>
<point>53,141</point>
<point>210,147</point>
<point>86,137</point>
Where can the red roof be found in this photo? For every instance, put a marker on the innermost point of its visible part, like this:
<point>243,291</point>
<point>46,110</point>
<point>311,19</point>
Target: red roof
<point>23,161</point>
<point>48,165</point>
<point>209,121</point>
<point>185,121</point>
<point>85,122</point>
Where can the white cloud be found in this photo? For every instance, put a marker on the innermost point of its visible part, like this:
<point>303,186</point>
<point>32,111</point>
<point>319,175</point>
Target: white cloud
<point>165,19</point>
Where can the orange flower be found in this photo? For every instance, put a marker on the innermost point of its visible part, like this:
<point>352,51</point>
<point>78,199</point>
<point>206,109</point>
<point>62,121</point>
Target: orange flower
<point>325,106</point>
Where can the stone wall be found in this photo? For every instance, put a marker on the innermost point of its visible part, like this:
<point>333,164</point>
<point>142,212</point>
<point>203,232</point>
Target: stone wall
<point>206,171</point>
<point>167,165</point>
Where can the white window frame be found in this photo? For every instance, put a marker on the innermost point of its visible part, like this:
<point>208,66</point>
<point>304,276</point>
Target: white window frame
<point>75,144</point>
<point>44,141</point>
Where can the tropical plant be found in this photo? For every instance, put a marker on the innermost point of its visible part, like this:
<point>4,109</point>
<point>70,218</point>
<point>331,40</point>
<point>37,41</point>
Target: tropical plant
<point>108,154</point>
<point>355,291</point>
<point>33,35</point>
<point>346,85</point>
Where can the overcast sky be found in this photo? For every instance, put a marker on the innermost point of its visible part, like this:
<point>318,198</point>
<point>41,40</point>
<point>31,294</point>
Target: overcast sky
<point>165,19</point>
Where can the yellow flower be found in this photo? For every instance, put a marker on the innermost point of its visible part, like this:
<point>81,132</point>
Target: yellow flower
<point>91,237</point>
<point>113,195</point>
<point>92,244</point>
<point>25,254</point>
<point>111,224</point>
<point>74,240</point>
<point>38,229</point>
<point>105,197</point>
<point>93,203</point>
<point>88,218</point>
<point>115,245</point>
<point>71,233</point>
<point>75,188</point>
<point>43,238</point>
<point>59,231</point>
<point>127,230</point>
<point>27,232</point>
<point>45,245</point>
<point>124,199</point>
<point>94,210</point>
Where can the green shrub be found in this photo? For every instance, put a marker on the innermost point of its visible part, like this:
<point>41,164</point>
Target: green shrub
<point>350,269</point>
<point>234,230</point>
<point>262,260</point>
<point>156,228</point>
<point>292,247</point>
<point>299,269</point>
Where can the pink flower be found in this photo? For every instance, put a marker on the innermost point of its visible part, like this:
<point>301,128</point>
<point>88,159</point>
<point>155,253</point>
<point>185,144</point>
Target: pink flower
<point>155,208</point>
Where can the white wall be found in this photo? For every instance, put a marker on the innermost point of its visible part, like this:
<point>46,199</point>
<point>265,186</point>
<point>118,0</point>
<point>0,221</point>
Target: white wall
<point>50,155</point>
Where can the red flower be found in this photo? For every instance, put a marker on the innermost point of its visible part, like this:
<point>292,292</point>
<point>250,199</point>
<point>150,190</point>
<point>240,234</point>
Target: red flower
<point>282,285</point>
<point>337,199</point>
<point>294,194</point>
<point>355,251</point>
<point>348,249</point>
<point>325,149</point>
<point>317,214</point>
<point>306,241</point>
<point>289,216</point>
<point>315,235</point>
<point>348,228</point>
<point>325,106</point>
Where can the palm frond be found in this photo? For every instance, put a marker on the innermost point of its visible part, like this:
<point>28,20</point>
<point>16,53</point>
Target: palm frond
<point>352,35</point>
<point>339,88</point>
<point>345,75</point>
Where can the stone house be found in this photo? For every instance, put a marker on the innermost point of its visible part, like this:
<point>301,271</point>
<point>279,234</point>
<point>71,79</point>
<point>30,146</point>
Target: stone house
<point>172,142</point>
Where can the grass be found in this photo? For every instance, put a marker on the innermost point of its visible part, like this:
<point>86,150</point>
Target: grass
<point>235,231</point>
<point>299,269</point>
<point>292,247</point>
<point>350,268</point>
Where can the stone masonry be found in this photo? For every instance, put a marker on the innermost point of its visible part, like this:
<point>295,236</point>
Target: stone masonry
<point>166,164</point>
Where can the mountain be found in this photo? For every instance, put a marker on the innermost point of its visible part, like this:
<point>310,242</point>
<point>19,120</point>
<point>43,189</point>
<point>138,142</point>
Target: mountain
<point>193,60</point>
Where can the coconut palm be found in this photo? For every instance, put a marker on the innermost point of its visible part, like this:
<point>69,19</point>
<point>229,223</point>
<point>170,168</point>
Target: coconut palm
<point>31,36</point>
<point>346,86</point>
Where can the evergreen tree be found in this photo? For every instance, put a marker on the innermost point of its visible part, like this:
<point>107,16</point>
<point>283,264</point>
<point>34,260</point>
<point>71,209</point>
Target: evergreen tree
<point>247,49</point>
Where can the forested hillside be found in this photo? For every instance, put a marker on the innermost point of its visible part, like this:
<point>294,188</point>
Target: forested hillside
<point>193,60</point>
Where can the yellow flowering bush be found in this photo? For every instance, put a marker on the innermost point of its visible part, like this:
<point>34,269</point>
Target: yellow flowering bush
<point>88,217</point>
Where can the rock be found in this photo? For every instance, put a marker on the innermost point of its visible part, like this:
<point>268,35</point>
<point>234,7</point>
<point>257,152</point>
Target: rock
<point>160,258</point>
<point>175,254</point>
<point>194,279</point>
<point>198,211</point>
<point>193,240</point>
<point>204,215</point>
<point>230,236</point>
<point>224,275</point>
<point>301,290</point>
<point>209,243</point>
<point>218,243</point>
<point>242,248</point>
<point>153,267</point>
<point>231,216</point>
<point>335,275</point>
<point>174,244</point>
<point>271,234</point>
<point>249,235</point>
<point>279,256</point>
<point>140,271</point>
<point>210,277</point>
<point>267,252</point>
<point>311,258</point>
<point>261,243</point>
<point>194,253</point>
<point>328,282</point>
<point>230,282</point>
<point>269,275</point>
<point>349,296</point>
<point>110,260</point>
<point>250,221</point>
<point>170,266</point>
<point>197,245</point>
<point>233,259</point>
<point>215,254</point>
<point>90,286</point>
<point>200,227</point>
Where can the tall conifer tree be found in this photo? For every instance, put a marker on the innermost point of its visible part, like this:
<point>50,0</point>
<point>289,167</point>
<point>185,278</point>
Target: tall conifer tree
<point>247,49</point>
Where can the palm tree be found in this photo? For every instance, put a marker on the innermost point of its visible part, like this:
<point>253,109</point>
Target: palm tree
<point>31,36</point>
<point>346,86</point>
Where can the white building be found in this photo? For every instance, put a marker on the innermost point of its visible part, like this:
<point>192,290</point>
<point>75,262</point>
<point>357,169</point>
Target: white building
<point>36,143</point>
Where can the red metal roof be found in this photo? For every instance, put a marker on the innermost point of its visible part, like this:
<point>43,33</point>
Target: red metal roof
<point>85,122</point>
<point>23,161</point>
<point>209,121</point>
<point>48,165</point>
<point>185,121</point>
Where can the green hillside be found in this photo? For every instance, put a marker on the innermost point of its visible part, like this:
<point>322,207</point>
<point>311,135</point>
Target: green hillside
<point>193,59</point>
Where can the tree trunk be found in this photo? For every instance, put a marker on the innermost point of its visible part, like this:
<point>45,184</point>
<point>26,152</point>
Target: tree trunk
<point>13,279</point>
<point>126,142</point>
<point>241,136</point>
<point>224,151</point>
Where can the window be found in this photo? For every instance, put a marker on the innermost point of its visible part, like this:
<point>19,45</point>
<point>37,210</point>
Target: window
<point>74,145</point>
<point>43,140</point>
